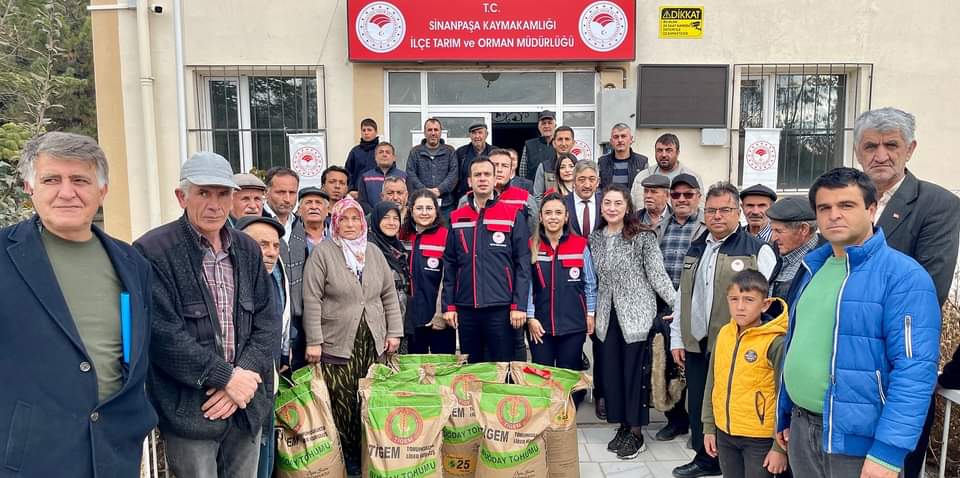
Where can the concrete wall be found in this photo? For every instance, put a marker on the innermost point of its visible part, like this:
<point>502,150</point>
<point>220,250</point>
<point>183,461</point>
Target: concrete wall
<point>913,49</point>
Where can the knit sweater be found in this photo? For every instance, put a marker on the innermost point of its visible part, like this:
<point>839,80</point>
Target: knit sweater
<point>629,274</point>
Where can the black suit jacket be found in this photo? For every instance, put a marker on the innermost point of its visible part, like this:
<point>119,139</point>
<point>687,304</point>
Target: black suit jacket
<point>922,220</point>
<point>47,421</point>
<point>572,200</point>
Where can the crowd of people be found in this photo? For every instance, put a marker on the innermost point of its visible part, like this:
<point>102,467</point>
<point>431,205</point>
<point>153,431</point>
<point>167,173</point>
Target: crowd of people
<point>805,329</point>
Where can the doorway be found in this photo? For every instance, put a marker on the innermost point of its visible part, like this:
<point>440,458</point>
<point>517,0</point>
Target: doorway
<point>512,130</point>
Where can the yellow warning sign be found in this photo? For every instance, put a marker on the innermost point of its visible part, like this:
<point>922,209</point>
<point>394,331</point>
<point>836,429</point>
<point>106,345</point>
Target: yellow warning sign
<point>681,22</point>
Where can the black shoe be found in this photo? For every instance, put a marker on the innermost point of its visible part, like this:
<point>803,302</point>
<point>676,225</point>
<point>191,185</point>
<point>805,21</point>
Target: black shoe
<point>600,408</point>
<point>693,470</point>
<point>669,432</point>
<point>617,441</point>
<point>631,447</point>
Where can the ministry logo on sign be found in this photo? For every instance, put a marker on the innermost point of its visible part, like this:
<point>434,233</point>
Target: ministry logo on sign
<point>603,26</point>
<point>761,155</point>
<point>380,27</point>
<point>307,162</point>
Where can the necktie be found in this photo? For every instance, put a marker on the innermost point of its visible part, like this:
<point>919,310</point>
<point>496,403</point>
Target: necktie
<point>585,222</point>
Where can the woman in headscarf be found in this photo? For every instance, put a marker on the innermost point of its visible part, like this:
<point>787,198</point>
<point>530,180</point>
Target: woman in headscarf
<point>351,316</point>
<point>385,234</point>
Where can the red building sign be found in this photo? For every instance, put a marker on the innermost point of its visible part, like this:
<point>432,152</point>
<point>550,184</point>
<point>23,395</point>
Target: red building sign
<point>491,30</point>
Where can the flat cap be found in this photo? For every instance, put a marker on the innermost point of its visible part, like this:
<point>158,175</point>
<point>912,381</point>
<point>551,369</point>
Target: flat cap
<point>758,190</point>
<point>656,181</point>
<point>312,190</point>
<point>245,222</point>
<point>208,169</point>
<point>249,181</point>
<point>546,114</point>
<point>684,178</point>
<point>476,126</point>
<point>791,209</point>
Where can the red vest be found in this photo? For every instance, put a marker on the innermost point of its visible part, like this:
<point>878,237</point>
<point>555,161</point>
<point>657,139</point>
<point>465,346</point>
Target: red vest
<point>559,288</point>
<point>426,272</point>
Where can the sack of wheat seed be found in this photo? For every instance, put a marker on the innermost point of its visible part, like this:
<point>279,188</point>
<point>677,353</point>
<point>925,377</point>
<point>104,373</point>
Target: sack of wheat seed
<point>309,445</point>
<point>461,436</point>
<point>403,428</point>
<point>561,437</point>
<point>379,372</point>
<point>405,361</point>
<point>513,418</point>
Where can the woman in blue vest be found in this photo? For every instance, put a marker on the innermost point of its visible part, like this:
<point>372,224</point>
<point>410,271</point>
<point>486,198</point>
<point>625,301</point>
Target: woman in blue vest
<point>630,274</point>
<point>423,229</point>
<point>563,289</point>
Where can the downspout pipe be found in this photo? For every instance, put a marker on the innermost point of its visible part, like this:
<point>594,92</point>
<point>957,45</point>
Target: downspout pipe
<point>149,117</point>
<point>181,81</point>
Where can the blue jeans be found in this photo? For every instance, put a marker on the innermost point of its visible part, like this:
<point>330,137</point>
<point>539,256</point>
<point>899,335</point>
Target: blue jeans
<point>268,445</point>
<point>234,455</point>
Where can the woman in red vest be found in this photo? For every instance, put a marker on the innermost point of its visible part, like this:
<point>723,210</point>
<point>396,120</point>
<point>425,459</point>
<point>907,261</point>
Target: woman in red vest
<point>424,326</point>
<point>563,289</point>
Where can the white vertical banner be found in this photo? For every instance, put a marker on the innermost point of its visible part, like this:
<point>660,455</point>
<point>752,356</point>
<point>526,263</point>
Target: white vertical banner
<point>308,156</point>
<point>584,146</point>
<point>761,154</point>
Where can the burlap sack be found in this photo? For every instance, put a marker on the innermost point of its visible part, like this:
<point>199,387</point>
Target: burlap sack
<point>309,445</point>
<point>405,361</point>
<point>380,372</point>
<point>513,418</point>
<point>461,436</point>
<point>403,428</point>
<point>563,460</point>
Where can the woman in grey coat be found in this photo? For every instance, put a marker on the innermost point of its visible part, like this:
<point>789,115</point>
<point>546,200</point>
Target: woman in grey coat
<point>630,271</point>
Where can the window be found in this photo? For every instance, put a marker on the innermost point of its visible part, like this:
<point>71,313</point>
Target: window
<point>813,106</point>
<point>246,116</point>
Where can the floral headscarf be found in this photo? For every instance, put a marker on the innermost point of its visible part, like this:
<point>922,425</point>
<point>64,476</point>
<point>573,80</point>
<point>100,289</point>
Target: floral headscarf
<point>354,250</point>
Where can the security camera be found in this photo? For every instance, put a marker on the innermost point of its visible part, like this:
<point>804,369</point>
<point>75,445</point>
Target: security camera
<point>158,9</point>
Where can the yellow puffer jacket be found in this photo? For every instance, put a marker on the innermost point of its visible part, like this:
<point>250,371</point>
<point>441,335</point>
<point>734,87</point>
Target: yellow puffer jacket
<point>744,379</point>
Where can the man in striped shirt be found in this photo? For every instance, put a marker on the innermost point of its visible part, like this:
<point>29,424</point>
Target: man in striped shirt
<point>756,200</point>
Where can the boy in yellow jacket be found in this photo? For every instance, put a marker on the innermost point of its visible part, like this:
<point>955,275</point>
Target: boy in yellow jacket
<point>740,400</point>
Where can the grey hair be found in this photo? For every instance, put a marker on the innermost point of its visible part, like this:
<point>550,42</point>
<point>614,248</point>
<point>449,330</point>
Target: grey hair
<point>60,145</point>
<point>394,179</point>
<point>619,126</point>
<point>795,225</point>
<point>885,120</point>
<point>184,187</point>
<point>585,164</point>
<point>724,188</point>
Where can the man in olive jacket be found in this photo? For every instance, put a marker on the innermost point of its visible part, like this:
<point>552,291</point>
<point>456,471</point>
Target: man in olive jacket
<point>215,330</point>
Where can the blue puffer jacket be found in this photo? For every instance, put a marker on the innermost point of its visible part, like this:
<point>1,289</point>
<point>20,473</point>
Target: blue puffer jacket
<point>886,344</point>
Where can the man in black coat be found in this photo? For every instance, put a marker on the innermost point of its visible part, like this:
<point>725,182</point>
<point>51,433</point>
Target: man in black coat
<point>75,325</point>
<point>918,218</point>
<point>215,330</point>
<point>478,146</point>
<point>362,156</point>
<point>539,149</point>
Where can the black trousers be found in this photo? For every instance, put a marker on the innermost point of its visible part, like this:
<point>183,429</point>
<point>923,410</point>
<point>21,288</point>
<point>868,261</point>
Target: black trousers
<point>626,378</point>
<point>426,340</point>
<point>597,346</point>
<point>486,334</point>
<point>697,365</point>
<point>742,457</point>
<point>564,351</point>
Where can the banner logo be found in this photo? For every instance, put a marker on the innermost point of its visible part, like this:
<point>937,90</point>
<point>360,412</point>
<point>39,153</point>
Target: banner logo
<point>603,26</point>
<point>306,161</point>
<point>761,155</point>
<point>380,27</point>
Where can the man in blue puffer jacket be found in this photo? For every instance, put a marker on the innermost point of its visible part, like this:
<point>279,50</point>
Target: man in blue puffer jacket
<point>862,344</point>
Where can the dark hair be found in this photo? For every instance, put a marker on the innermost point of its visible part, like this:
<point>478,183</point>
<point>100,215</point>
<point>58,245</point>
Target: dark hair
<point>369,122</point>
<point>750,281</point>
<point>333,169</point>
<point>480,159</point>
<point>500,152</point>
<point>723,188</point>
<point>565,128</point>
<point>556,169</point>
<point>432,119</point>
<point>839,178</point>
<point>535,235</point>
<point>668,139</point>
<point>409,226</point>
<point>631,221</point>
<point>279,171</point>
<point>386,144</point>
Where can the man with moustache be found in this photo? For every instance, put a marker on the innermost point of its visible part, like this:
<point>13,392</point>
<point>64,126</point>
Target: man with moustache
<point>756,200</point>
<point>314,211</point>
<point>656,207</point>
<point>794,233</point>
<point>478,146</point>
<point>372,181</point>
<point>282,184</point>
<point>335,181</point>
<point>248,201</point>
<point>667,155</point>
<point>432,165</point>
<point>546,175</point>
<point>622,164</point>
<point>539,149</point>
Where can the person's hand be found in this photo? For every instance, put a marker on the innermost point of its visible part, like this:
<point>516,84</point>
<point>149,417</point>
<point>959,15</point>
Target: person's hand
<point>355,194</point>
<point>313,353</point>
<point>517,318</point>
<point>775,462</point>
<point>783,438</point>
<point>393,343</point>
<point>536,330</point>
<point>591,324</point>
<point>872,469</point>
<point>435,191</point>
<point>242,385</point>
<point>667,318</point>
<point>710,444</point>
<point>451,318</point>
<point>219,406</point>
<point>679,357</point>
<point>437,323</point>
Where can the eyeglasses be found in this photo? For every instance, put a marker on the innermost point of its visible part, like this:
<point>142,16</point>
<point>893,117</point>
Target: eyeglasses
<point>722,210</point>
<point>685,195</point>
